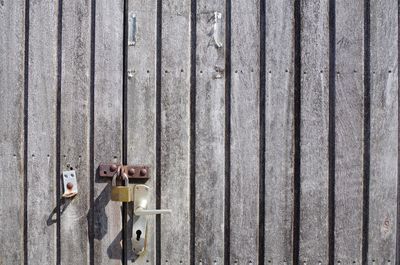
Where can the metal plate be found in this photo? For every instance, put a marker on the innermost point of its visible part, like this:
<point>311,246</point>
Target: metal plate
<point>139,235</point>
<point>70,183</point>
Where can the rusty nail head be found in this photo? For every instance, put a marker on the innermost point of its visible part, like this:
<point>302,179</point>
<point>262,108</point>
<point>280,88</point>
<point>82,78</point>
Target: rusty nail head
<point>113,167</point>
<point>131,171</point>
<point>143,172</point>
<point>70,185</point>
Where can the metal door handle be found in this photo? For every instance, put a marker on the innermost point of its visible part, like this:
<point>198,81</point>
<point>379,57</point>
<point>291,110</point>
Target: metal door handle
<point>140,211</point>
<point>141,198</point>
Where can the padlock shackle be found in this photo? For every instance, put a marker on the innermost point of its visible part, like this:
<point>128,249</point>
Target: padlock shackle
<point>118,174</point>
<point>125,179</point>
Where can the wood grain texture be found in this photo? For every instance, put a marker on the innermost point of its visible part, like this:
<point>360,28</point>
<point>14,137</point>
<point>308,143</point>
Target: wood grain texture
<point>12,19</point>
<point>107,128</point>
<point>279,131</point>
<point>384,132</point>
<point>314,132</point>
<point>76,218</point>
<point>141,110</point>
<point>175,128</point>
<point>349,119</point>
<point>75,138</point>
<point>210,134</point>
<point>42,218</point>
<point>245,51</point>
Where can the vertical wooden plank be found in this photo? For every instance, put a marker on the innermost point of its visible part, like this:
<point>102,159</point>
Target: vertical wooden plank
<point>12,19</point>
<point>384,132</point>
<point>75,117</point>
<point>142,107</point>
<point>42,132</point>
<point>314,132</point>
<point>279,103</point>
<point>245,52</point>
<point>107,128</point>
<point>210,131</point>
<point>175,127</point>
<point>349,119</point>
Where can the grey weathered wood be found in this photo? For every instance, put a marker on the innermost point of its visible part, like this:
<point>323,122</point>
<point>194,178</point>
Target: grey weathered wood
<point>12,19</point>
<point>349,131</point>
<point>384,132</point>
<point>175,129</point>
<point>210,100</point>
<point>107,128</point>
<point>142,108</point>
<point>210,131</point>
<point>245,125</point>
<point>75,138</point>
<point>314,132</point>
<point>279,131</point>
<point>41,206</point>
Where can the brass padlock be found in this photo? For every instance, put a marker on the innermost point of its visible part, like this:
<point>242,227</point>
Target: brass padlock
<point>121,193</point>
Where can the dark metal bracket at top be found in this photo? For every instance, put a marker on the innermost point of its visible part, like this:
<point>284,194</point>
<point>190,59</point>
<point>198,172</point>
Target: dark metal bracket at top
<point>139,173</point>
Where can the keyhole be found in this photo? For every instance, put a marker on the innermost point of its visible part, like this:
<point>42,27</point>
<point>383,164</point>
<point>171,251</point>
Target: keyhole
<point>138,234</point>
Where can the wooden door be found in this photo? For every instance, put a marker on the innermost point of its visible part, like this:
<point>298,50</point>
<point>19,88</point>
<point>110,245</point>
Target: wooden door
<point>270,128</point>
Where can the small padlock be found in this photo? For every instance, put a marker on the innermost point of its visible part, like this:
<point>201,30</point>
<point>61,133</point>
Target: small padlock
<point>121,193</point>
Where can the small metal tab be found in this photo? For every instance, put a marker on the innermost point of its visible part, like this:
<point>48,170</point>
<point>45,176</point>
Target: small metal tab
<point>132,29</point>
<point>70,183</point>
<point>217,29</point>
<point>130,74</point>
<point>218,72</point>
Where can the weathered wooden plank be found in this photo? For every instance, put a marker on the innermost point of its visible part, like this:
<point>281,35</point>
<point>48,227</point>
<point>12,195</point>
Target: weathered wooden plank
<point>279,103</point>
<point>210,131</point>
<point>349,131</point>
<point>107,128</point>
<point>175,128</point>
<point>12,19</point>
<point>245,52</point>
<point>75,138</point>
<point>142,108</point>
<point>384,132</point>
<point>314,132</point>
<point>42,219</point>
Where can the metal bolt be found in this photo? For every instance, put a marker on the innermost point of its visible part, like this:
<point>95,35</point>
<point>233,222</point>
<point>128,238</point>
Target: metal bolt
<point>70,185</point>
<point>131,171</point>
<point>143,172</point>
<point>113,167</point>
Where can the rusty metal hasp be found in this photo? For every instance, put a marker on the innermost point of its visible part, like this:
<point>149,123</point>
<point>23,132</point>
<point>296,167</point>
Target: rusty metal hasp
<point>139,173</point>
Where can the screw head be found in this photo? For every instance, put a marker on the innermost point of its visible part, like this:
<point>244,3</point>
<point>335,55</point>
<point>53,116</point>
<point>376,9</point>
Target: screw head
<point>131,171</point>
<point>113,167</point>
<point>143,172</point>
<point>70,185</point>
